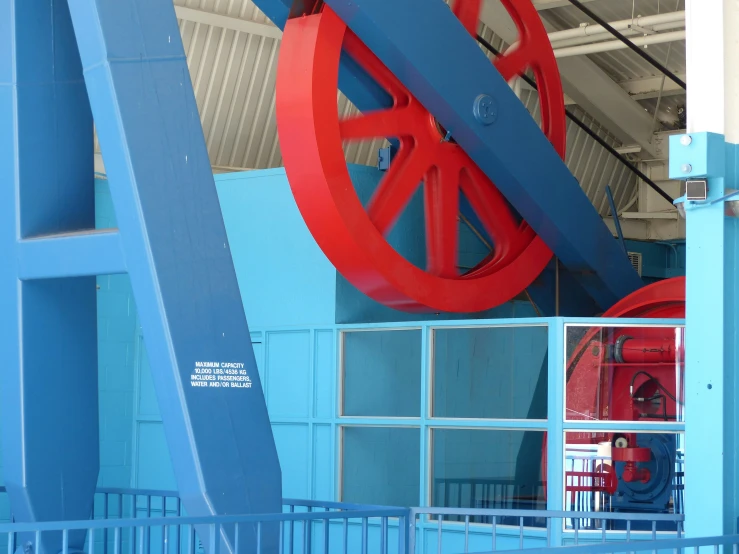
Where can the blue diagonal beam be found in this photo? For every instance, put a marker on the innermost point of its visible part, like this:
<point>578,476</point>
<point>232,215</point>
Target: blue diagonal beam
<point>84,253</point>
<point>49,327</point>
<point>447,76</point>
<point>179,262</point>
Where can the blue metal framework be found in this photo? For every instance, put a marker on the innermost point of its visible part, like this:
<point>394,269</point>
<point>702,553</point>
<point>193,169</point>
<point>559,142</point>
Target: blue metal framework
<point>127,58</point>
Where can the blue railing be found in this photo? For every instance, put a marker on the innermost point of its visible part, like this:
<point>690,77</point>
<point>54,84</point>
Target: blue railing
<point>730,544</point>
<point>520,529</point>
<point>153,522</point>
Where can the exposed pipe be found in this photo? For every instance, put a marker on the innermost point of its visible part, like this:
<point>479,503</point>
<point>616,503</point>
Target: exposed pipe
<point>630,203</point>
<point>630,33</point>
<point>624,24</point>
<point>634,48</point>
<point>611,45</point>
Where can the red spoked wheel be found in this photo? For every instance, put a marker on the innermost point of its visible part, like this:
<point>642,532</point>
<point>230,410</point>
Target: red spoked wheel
<point>353,236</point>
<point>660,300</point>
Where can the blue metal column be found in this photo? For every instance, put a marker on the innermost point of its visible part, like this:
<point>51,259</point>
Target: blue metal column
<point>179,261</point>
<point>555,476</point>
<point>710,150</point>
<point>712,309</point>
<point>48,343</point>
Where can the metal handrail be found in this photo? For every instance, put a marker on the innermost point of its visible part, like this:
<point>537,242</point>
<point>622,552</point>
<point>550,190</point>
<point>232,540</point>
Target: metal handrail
<point>641,546</point>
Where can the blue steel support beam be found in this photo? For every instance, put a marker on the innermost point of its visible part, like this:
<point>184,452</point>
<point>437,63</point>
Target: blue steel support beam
<point>70,255</point>
<point>712,355</point>
<point>179,262</point>
<point>48,342</point>
<point>545,193</point>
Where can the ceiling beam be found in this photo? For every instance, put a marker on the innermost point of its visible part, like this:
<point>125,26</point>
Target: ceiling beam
<point>227,22</point>
<point>588,86</point>
<point>600,96</point>
<point>644,89</point>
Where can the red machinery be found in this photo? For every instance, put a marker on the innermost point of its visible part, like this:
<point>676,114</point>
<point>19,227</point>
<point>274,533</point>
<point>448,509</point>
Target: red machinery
<point>627,374</point>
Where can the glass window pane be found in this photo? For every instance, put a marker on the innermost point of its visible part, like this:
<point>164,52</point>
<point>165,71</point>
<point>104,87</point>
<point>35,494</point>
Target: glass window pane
<point>382,373</point>
<point>625,373</point>
<point>381,466</point>
<point>490,372</point>
<point>601,475</point>
<point>499,469</point>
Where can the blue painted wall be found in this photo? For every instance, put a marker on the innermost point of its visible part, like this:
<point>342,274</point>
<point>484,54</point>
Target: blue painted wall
<point>284,277</point>
<point>117,358</point>
<point>289,294</point>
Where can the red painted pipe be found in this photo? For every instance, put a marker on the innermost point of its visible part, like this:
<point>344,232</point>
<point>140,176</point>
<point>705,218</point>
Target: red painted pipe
<point>651,350</point>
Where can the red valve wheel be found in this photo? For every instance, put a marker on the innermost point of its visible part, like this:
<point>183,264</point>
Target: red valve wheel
<point>353,236</point>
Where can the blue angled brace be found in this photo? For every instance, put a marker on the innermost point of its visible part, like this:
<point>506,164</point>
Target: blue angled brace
<point>171,241</point>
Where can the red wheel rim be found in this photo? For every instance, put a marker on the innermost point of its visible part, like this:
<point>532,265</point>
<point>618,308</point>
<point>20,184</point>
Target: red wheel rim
<point>352,236</point>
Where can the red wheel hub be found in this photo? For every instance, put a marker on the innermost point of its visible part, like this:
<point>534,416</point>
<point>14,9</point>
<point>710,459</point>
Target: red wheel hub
<point>353,236</point>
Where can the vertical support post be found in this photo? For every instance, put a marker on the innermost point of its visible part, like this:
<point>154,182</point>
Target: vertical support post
<point>709,151</point>
<point>555,425</point>
<point>48,345</point>
<point>179,261</point>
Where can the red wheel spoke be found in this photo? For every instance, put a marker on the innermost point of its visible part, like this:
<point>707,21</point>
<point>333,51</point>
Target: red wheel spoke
<point>492,209</point>
<point>395,122</point>
<point>468,13</point>
<point>397,187</point>
<point>441,196</point>
<point>515,63</point>
<point>376,69</point>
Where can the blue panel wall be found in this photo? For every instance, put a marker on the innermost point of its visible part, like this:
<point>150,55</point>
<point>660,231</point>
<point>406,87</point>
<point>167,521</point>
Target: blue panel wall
<point>116,361</point>
<point>295,363</point>
<point>285,279</point>
<point>289,292</point>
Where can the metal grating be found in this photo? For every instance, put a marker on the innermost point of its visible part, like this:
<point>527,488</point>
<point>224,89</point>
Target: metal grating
<point>636,261</point>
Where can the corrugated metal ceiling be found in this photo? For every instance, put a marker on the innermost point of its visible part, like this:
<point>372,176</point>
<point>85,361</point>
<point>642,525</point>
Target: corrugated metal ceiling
<point>625,65</point>
<point>233,74</point>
